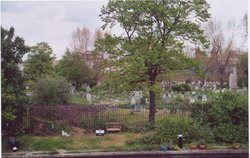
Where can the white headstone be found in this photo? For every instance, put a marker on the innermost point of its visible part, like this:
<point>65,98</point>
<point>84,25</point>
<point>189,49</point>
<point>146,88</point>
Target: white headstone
<point>192,100</point>
<point>204,98</point>
<point>133,100</point>
<point>167,98</point>
<point>88,97</point>
<point>233,79</point>
<point>137,95</point>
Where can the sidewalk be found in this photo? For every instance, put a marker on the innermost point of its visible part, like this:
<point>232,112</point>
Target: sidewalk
<point>184,153</point>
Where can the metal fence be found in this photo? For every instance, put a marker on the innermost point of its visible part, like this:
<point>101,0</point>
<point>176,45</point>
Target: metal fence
<point>96,116</point>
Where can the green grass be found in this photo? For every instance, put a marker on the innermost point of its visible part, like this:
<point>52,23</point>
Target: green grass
<point>90,142</point>
<point>117,141</point>
<point>78,100</point>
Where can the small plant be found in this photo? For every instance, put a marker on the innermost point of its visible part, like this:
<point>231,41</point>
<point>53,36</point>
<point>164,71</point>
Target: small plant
<point>193,145</point>
<point>202,144</point>
<point>236,146</point>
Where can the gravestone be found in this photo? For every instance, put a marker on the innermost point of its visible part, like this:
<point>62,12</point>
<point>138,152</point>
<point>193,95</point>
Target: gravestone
<point>204,98</point>
<point>137,95</point>
<point>167,98</point>
<point>88,97</point>
<point>233,79</point>
<point>133,103</point>
<point>133,100</point>
<point>192,98</point>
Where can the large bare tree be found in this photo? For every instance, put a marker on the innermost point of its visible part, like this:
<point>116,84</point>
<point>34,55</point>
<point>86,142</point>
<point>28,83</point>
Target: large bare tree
<point>221,53</point>
<point>81,40</point>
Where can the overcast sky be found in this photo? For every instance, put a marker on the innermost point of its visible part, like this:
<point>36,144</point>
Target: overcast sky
<point>53,22</point>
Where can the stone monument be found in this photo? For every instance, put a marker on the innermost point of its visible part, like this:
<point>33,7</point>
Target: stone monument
<point>88,97</point>
<point>233,79</point>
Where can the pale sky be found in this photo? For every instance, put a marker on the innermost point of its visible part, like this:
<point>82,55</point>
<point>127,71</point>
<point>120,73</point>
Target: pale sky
<point>54,21</point>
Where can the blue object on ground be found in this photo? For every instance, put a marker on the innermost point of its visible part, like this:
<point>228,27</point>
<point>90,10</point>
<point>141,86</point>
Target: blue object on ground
<point>163,148</point>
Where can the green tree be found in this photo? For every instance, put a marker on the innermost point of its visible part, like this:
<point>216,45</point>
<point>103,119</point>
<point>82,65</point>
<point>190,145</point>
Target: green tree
<point>13,97</point>
<point>155,33</point>
<point>39,62</point>
<point>51,90</point>
<point>73,67</point>
<point>242,67</point>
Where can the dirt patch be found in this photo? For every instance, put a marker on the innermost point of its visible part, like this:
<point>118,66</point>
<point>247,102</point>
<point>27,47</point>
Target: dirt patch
<point>76,131</point>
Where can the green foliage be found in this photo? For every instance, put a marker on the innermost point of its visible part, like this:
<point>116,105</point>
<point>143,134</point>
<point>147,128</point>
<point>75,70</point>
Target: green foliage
<point>230,133</point>
<point>226,114</point>
<point>51,90</point>
<point>39,62</point>
<point>12,83</point>
<point>74,68</point>
<point>242,67</point>
<point>156,32</point>
<point>170,127</point>
<point>202,142</point>
<point>181,88</point>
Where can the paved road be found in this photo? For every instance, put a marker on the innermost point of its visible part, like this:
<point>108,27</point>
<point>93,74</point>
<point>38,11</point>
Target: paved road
<point>242,153</point>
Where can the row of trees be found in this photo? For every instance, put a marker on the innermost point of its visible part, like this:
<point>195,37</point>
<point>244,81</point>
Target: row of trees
<point>152,46</point>
<point>40,73</point>
<point>41,61</point>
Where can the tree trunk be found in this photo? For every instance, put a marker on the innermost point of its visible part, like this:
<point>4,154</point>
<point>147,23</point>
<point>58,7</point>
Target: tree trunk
<point>152,76</point>
<point>151,107</point>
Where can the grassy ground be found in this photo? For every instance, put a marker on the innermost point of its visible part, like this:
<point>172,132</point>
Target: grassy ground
<point>90,142</point>
<point>78,100</point>
<point>115,142</point>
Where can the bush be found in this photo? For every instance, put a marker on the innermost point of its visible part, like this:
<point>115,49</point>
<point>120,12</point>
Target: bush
<point>226,114</point>
<point>43,127</point>
<point>230,133</point>
<point>243,82</point>
<point>51,90</point>
<point>181,88</point>
<point>170,127</point>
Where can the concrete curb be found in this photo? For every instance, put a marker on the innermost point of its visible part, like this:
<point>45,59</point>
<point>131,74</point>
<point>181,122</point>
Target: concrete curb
<point>224,152</point>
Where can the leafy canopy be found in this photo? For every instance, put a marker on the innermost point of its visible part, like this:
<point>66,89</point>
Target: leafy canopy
<point>155,33</point>
<point>39,62</point>
<point>74,68</point>
<point>13,97</point>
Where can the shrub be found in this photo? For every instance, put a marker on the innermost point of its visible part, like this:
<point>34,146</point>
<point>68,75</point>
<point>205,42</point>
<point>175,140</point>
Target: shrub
<point>170,127</point>
<point>230,133</point>
<point>181,88</point>
<point>44,127</point>
<point>51,90</point>
<point>226,114</point>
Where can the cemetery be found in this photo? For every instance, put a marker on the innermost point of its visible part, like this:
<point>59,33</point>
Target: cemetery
<point>172,81</point>
<point>66,125</point>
